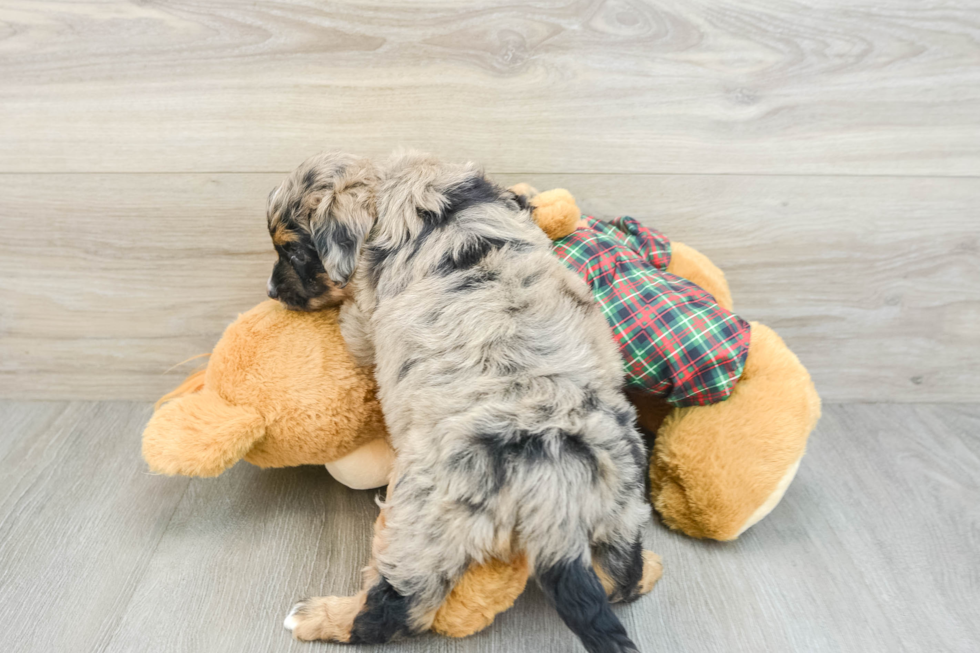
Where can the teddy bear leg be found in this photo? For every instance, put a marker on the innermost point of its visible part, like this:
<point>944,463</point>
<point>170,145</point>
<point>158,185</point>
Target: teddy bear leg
<point>365,468</point>
<point>773,499</point>
<point>484,591</point>
<point>717,470</point>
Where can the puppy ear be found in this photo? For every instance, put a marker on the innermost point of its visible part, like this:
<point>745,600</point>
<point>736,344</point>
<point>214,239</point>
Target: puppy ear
<point>341,223</point>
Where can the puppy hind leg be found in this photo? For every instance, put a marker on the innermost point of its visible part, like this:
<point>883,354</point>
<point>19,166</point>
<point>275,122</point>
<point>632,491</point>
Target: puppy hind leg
<point>625,570</point>
<point>577,594</point>
<point>328,618</point>
<point>418,562</point>
<point>331,618</point>
<point>380,612</point>
<point>376,615</point>
<point>389,613</point>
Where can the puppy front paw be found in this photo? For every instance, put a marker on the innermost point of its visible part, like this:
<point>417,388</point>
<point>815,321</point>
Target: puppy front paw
<point>292,620</point>
<point>327,617</point>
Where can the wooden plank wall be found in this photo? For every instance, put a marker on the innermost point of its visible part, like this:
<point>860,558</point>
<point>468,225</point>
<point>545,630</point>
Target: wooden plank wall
<point>825,154</point>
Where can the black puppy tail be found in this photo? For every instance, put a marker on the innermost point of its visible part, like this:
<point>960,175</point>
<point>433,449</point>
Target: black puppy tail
<point>574,589</point>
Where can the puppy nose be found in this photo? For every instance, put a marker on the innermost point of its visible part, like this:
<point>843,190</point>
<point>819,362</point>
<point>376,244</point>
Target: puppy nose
<point>271,290</point>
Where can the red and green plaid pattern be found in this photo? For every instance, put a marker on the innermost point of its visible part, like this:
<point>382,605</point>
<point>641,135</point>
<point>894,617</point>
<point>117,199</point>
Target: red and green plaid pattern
<point>675,340</point>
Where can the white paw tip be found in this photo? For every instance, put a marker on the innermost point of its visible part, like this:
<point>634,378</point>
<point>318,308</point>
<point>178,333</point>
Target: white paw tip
<point>291,619</point>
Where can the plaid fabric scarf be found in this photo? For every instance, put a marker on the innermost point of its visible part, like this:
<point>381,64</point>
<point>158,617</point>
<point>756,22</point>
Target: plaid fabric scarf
<point>676,342</point>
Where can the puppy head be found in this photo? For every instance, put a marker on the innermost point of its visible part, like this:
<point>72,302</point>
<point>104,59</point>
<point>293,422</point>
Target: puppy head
<point>319,218</point>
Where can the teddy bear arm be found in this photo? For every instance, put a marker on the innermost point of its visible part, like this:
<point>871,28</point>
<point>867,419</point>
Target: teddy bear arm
<point>554,210</point>
<point>689,263</point>
<point>525,189</point>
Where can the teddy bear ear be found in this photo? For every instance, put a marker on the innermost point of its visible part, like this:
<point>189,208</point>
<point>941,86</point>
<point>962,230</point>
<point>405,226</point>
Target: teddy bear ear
<point>555,212</point>
<point>200,434</point>
<point>524,189</point>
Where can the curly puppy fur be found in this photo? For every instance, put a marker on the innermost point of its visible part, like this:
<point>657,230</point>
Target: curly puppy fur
<point>502,390</point>
<point>316,250</point>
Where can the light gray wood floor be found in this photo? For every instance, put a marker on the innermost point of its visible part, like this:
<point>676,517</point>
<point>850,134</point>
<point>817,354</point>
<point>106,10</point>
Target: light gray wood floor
<point>875,547</point>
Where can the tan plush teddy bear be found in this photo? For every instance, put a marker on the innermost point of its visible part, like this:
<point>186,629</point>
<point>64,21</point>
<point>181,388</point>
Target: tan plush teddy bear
<point>723,456</point>
<point>280,389</point>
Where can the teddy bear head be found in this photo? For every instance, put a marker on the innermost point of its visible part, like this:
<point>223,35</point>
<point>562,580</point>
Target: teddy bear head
<point>276,382</point>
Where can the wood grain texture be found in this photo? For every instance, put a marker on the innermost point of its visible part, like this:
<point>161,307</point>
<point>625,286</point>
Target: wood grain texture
<point>792,86</point>
<point>873,282</point>
<point>79,520</point>
<point>108,281</point>
<point>855,558</point>
<point>872,549</point>
<point>240,550</point>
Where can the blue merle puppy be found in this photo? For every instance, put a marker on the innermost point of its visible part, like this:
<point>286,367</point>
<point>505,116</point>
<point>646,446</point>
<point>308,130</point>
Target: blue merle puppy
<point>502,390</point>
